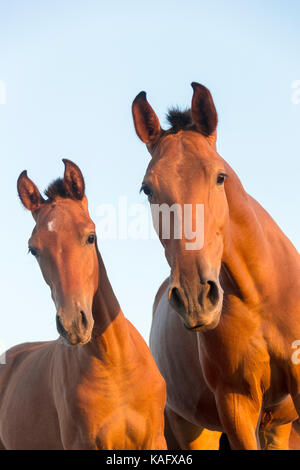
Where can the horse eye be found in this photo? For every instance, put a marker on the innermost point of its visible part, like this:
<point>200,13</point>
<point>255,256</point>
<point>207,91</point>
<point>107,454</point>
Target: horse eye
<point>146,190</point>
<point>91,238</point>
<point>221,178</point>
<point>33,251</point>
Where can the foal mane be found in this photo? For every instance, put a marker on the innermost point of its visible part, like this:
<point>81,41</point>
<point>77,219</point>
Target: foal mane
<point>57,189</point>
<point>179,120</point>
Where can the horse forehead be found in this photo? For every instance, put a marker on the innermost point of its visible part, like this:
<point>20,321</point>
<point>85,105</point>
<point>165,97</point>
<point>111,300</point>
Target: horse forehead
<point>184,150</point>
<point>55,218</point>
<point>183,167</point>
<point>56,221</point>
<point>59,218</point>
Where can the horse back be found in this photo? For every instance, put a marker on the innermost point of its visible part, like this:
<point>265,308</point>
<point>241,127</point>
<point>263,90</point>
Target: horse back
<point>13,359</point>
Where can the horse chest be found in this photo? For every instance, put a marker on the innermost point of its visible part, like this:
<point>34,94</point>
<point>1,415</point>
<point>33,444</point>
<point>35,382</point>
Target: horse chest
<point>122,428</point>
<point>176,354</point>
<point>113,411</point>
<point>193,368</point>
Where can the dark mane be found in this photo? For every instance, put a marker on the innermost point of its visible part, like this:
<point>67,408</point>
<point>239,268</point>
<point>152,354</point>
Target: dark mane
<point>179,120</point>
<point>57,189</point>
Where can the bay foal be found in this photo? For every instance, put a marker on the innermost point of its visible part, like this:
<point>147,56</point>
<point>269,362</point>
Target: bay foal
<point>227,317</point>
<point>97,386</point>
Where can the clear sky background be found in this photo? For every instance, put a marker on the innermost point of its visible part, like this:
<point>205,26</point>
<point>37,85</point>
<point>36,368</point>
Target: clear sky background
<point>72,69</point>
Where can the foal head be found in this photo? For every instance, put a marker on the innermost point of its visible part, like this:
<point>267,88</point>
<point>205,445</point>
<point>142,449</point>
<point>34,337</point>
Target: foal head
<point>185,169</point>
<point>64,243</point>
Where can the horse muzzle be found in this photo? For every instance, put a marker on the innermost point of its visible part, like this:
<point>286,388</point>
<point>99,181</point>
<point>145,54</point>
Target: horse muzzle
<point>77,330</point>
<point>200,308</point>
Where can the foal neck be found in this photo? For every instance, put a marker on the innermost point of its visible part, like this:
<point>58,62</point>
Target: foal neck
<point>110,337</point>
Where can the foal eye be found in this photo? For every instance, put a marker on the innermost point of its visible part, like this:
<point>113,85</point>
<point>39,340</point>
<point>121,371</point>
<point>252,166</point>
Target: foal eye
<point>91,238</point>
<point>33,251</point>
<point>221,178</point>
<point>147,190</point>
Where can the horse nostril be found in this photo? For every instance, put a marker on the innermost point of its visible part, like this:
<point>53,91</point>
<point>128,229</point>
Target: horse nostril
<point>83,319</point>
<point>176,298</point>
<point>210,293</point>
<point>213,293</point>
<point>60,326</point>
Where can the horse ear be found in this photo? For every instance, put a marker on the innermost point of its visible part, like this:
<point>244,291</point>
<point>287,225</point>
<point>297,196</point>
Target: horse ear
<point>204,112</point>
<point>29,193</point>
<point>146,122</point>
<point>73,180</point>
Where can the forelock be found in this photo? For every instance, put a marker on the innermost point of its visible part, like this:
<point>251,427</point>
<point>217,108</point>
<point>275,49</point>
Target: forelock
<point>57,189</point>
<point>179,120</point>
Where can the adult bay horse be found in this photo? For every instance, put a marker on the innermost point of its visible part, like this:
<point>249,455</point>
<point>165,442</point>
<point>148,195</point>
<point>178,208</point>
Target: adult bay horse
<point>97,386</point>
<point>226,319</point>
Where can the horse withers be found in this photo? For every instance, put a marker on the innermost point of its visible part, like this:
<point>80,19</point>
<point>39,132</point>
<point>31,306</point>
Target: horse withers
<point>226,319</point>
<point>97,386</point>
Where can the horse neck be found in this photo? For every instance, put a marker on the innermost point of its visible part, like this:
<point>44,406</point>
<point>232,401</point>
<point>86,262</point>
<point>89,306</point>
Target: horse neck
<point>253,244</point>
<point>110,339</point>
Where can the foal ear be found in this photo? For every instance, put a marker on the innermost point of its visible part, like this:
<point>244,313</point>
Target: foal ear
<point>203,111</point>
<point>73,179</point>
<point>146,122</point>
<point>29,193</point>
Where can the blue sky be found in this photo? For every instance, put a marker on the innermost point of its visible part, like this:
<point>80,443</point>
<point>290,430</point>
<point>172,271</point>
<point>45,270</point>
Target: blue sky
<point>72,69</point>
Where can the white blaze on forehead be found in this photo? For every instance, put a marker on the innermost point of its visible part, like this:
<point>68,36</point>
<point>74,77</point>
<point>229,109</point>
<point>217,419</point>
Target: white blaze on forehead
<point>51,226</point>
